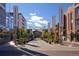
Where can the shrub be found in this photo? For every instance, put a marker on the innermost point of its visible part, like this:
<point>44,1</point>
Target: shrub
<point>56,39</point>
<point>21,41</point>
<point>49,38</point>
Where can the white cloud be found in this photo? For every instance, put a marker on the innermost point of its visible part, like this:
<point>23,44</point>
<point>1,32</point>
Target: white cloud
<point>44,22</point>
<point>29,22</point>
<point>36,18</point>
<point>37,21</point>
<point>32,14</point>
<point>38,25</point>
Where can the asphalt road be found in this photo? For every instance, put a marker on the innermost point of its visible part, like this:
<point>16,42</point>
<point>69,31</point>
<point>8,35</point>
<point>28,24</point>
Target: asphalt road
<point>11,50</point>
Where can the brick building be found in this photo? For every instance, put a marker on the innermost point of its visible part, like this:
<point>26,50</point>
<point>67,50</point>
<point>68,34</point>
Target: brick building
<point>71,23</point>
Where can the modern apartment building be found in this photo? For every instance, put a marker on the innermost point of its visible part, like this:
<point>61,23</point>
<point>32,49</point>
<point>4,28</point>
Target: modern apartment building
<point>2,14</point>
<point>76,7</point>
<point>9,20</point>
<point>21,22</point>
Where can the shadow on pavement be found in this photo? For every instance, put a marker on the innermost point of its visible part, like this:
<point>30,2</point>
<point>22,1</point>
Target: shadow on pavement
<point>34,52</point>
<point>9,50</point>
<point>12,51</point>
<point>33,45</point>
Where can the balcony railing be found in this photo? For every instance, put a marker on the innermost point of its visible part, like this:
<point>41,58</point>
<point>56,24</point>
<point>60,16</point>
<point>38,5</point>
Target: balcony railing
<point>3,7</point>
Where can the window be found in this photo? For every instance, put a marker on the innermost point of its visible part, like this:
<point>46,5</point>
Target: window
<point>75,4</point>
<point>77,10</point>
<point>71,15</point>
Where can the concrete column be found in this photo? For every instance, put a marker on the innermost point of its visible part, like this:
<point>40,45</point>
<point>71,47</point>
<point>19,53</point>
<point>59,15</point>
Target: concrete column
<point>15,13</point>
<point>61,18</point>
<point>74,17</point>
<point>49,27</point>
<point>67,28</point>
<point>54,26</point>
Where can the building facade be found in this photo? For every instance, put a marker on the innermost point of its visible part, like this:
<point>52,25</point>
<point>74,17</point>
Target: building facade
<point>16,17</point>
<point>76,7</point>
<point>21,21</point>
<point>2,14</point>
<point>71,23</point>
<point>10,24</point>
<point>9,20</point>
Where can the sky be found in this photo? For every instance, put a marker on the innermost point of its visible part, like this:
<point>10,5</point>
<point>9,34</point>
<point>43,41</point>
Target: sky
<point>38,15</point>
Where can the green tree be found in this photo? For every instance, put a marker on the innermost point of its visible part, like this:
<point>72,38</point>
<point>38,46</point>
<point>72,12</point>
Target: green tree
<point>22,36</point>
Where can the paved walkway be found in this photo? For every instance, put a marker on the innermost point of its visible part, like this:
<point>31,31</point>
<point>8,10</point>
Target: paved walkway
<point>54,49</point>
<point>38,44</point>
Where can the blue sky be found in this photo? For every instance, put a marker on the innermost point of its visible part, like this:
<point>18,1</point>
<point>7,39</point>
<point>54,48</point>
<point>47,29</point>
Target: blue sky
<point>38,15</point>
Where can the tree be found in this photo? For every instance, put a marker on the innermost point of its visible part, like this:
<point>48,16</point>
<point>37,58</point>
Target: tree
<point>22,36</point>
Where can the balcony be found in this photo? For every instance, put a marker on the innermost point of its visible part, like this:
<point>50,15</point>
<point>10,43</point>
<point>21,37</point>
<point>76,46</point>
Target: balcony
<point>2,6</point>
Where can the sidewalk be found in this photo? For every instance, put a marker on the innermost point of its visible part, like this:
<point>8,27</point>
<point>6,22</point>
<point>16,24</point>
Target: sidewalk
<point>73,44</point>
<point>40,45</point>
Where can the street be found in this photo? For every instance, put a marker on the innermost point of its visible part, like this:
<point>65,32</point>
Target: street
<point>38,47</point>
<point>10,49</point>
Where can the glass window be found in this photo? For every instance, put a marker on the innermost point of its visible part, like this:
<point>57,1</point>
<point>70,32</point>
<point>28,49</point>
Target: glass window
<point>71,15</point>
<point>78,10</point>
